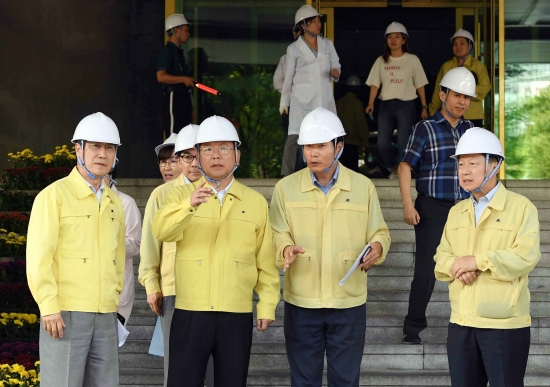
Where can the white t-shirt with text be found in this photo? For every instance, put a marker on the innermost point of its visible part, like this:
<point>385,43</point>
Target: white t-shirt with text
<point>399,78</point>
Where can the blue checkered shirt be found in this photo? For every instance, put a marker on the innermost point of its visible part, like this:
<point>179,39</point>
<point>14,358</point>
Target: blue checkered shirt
<point>431,144</point>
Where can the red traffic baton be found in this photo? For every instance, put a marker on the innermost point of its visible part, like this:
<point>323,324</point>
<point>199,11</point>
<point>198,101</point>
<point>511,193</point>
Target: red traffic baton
<point>207,89</point>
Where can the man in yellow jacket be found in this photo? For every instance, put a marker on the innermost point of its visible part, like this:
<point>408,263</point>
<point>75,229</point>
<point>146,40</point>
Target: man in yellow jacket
<point>75,264</point>
<point>156,268</point>
<point>223,254</point>
<point>322,218</point>
<point>463,42</point>
<point>490,244</point>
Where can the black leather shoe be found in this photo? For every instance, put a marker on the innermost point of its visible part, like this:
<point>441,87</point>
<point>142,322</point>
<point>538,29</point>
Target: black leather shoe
<point>411,339</point>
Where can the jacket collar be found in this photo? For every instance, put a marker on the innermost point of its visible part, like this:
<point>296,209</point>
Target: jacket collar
<point>236,189</point>
<point>303,46</point>
<point>79,185</point>
<point>343,181</point>
<point>467,61</point>
<point>497,203</point>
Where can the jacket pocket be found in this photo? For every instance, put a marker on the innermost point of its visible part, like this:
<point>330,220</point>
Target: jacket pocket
<point>497,234</point>
<point>75,275</point>
<point>192,274</point>
<point>302,92</point>
<point>302,278</point>
<point>75,225</point>
<point>496,299</point>
<point>356,284</point>
<point>241,276</point>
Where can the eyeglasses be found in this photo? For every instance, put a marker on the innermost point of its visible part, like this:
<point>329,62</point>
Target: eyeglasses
<point>222,150</point>
<point>188,158</point>
<point>173,163</point>
<point>96,147</point>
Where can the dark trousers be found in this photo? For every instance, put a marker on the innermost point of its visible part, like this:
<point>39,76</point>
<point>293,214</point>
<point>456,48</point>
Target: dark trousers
<point>350,157</point>
<point>433,216</point>
<point>394,114</point>
<point>197,335</point>
<point>479,355</point>
<point>176,111</point>
<point>284,125</point>
<point>309,333</point>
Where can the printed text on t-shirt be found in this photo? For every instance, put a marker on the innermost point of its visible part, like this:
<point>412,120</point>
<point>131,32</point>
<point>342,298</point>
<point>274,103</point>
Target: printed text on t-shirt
<point>393,80</point>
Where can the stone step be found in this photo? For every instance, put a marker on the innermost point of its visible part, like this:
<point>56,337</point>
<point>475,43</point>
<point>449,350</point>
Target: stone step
<point>400,284</point>
<point>139,377</point>
<point>378,329</point>
<point>535,190</point>
<point>389,296</point>
<point>379,356</point>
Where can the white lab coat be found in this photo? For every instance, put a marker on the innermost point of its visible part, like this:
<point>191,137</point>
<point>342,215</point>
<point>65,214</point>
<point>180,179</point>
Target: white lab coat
<point>307,82</point>
<point>279,75</point>
<point>132,219</point>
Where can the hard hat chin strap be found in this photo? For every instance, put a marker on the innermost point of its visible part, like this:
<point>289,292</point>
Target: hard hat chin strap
<point>487,177</point>
<point>214,180</point>
<point>83,165</point>
<point>336,157</point>
<point>445,104</point>
<point>307,31</point>
<point>178,35</point>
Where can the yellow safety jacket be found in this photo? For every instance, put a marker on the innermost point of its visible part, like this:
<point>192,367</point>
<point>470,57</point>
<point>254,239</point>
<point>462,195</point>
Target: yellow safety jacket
<point>76,248</point>
<point>483,86</point>
<point>156,268</point>
<point>223,253</point>
<point>333,230</point>
<point>506,246</point>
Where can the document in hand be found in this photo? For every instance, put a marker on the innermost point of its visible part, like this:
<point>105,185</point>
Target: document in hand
<point>122,333</point>
<point>356,263</point>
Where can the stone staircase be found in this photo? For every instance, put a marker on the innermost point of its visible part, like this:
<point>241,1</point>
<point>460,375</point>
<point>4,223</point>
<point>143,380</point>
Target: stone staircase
<point>386,362</point>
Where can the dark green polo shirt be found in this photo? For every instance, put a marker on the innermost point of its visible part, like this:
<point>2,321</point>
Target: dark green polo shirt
<point>172,60</point>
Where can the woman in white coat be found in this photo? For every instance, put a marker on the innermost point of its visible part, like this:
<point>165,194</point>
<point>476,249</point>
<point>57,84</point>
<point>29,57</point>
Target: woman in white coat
<point>311,66</point>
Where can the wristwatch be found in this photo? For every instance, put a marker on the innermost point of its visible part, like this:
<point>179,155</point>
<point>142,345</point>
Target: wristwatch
<point>424,106</point>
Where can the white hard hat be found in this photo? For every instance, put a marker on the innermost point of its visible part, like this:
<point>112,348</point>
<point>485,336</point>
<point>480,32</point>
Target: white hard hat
<point>174,20</point>
<point>305,12</point>
<point>169,141</point>
<point>478,140</point>
<point>460,80</point>
<point>462,34</point>
<point>319,126</point>
<point>396,27</point>
<point>216,128</point>
<point>97,127</point>
<point>186,138</point>
<point>353,80</point>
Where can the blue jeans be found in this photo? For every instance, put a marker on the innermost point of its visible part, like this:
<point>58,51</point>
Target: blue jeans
<point>394,114</point>
<point>309,333</point>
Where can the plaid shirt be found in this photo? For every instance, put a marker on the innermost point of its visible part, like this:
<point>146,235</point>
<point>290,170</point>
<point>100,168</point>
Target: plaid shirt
<point>431,144</point>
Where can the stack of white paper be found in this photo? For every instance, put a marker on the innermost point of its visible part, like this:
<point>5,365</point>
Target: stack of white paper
<point>356,263</point>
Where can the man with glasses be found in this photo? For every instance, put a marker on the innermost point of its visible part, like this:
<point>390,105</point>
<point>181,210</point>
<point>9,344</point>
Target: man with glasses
<point>75,264</point>
<point>223,255</point>
<point>156,268</point>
